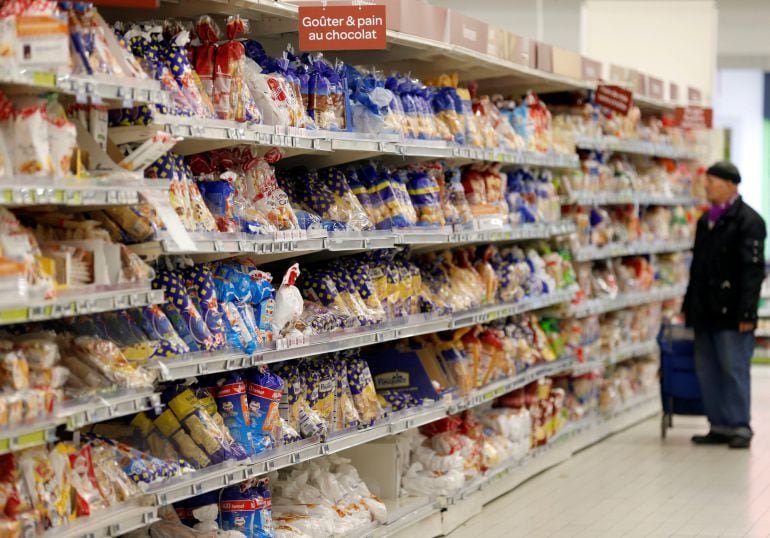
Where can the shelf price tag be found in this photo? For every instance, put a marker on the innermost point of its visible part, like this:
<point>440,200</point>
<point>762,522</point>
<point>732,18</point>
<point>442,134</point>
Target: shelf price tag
<point>342,27</point>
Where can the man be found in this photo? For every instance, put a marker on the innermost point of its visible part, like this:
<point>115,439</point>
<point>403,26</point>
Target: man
<point>726,275</point>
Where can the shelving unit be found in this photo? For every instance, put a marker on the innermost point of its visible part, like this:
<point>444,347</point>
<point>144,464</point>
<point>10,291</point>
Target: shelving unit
<point>616,250</point>
<point>625,198</point>
<point>207,363</point>
<point>276,22</point>
<point>83,192</point>
<point>593,307</point>
<point>638,147</point>
<point>222,475</point>
<point>77,301</point>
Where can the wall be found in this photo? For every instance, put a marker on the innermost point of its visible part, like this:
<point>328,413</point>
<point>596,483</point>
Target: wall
<point>680,43</point>
<point>739,96</point>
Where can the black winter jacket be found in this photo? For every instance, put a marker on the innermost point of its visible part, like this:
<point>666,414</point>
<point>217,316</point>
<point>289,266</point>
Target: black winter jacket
<point>728,267</point>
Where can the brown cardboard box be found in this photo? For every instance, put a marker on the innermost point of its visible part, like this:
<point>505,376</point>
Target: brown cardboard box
<point>673,92</point>
<point>694,96</point>
<point>655,88</point>
<point>522,50</point>
<point>544,60</point>
<point>466,31</point>
<point>590,69</point>
<point>567,63</point>
<point>416,17</point>
<point>639,83</point>
<point>618,74</point>
<point>497,43</point>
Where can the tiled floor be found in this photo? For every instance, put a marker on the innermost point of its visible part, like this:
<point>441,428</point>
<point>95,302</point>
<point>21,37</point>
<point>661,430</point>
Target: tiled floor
<point>634,484</point>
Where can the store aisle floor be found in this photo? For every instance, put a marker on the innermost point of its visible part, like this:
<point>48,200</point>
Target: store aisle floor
<point>634,485</point>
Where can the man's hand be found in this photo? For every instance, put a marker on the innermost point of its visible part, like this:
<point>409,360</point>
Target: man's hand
<point>746,326</point>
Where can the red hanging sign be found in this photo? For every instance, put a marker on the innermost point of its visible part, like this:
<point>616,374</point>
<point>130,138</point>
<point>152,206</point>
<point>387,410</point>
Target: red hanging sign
<point>693,117</point>
<point>614,97</point>
<point>342,28</point>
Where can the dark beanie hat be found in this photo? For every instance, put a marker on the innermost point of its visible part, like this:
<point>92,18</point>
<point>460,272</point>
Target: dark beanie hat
<point>725,170</point>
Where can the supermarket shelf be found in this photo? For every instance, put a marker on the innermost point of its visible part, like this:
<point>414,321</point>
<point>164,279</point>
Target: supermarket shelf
<point>224,244</point>
<point>638,147</point>
<point>97,408</point>
<point>615,250</point>
<point>762,333</point>
<point>97,191</point>
<point>593,307</point>
<point>76,413</point>
<point>228,473</point>
<point>26,436</point>
<point>573,438</point>
<point>77,301</point>
<point>424,58</point>
<point>455,236</point>
<point>112,522</point>
<point>200,134</point>
<point>626,197</point>
<point>404,513</point>
<point>300,242</point>
<point>195,364</point>
<point>764,312</point>
<point>616,356</point>
<point>497,389</point>
<point>629,351</point>
<point>91,88</point>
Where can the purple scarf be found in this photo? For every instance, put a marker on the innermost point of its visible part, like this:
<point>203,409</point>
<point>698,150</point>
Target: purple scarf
<point>717,211</point>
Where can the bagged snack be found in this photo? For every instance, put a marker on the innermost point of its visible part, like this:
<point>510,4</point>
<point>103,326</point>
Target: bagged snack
<point>190,413</point>
<point>236,509</point>
<point>345,412</point>
<point>183,314</point>
<point>231,98</point>
<point>200,286</point>
<point>265,393</point>
<point>234,408</point>
<point>204,55</point>
<point>362,387</point>
<point>31,153</point>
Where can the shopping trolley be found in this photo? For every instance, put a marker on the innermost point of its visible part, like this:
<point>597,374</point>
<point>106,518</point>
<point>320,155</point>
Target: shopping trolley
<point>679,389</point>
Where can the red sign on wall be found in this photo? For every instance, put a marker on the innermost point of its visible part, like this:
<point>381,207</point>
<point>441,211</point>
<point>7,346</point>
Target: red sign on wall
<point>693,117</point>
<point>341,27</point>
<point>614,97</point>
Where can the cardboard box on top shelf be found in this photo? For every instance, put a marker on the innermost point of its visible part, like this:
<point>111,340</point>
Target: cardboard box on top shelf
<point>567,63</point>
<point>522,50</point>
<point>590,69</point>
<point>638,82</point>
<point>655,88</point>
<point>497,43</point>
<point>544,54</point>
<point>618,74</point>
<point>467,32</point>
<point>673,92</point>
<point>694,96</point>
<point>416,17</point>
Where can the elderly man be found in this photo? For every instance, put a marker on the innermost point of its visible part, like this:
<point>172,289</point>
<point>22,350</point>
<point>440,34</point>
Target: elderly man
<point>726,276</point>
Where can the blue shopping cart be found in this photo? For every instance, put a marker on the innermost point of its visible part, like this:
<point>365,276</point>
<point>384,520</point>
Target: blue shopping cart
<point>679,389</point>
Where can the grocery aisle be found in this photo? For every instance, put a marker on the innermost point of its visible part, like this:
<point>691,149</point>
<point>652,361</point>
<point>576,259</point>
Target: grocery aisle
<point>635,485</point>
